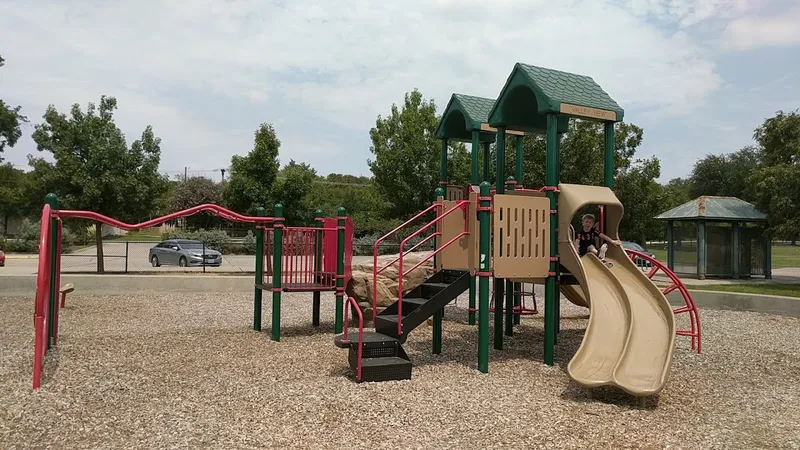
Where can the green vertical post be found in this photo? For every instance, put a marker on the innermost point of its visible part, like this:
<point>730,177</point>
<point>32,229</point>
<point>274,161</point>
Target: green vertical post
<point>510,297</point>
<point>701,250</point>
<point>558,263</point>
<point>277,272</point>
<point>443,172</point>
<point>257,292</point>
<point>52,200</point>
<point>766,242</point>
<point>487,160</point>
<point>340,222</point>
<point>483,268</point>
<point>608,156</point>
<point>519,163</point>
<point>671,245</point>
<point>550,288</point>
<point>476,148</point>
<point>735,254</point>
<point>438,315</point>
<point>317,266</point>
<point>500,154</point>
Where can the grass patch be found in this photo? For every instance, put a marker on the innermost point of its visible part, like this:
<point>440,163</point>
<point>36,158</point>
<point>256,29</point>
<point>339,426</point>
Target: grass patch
<point>785,290</point>
<point>782,256</point>
<point>135,236</point>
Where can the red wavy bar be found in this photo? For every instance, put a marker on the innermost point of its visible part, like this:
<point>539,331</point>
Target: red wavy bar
<point>350,301</point>
<point>42,297</point>
<point>216,209</point>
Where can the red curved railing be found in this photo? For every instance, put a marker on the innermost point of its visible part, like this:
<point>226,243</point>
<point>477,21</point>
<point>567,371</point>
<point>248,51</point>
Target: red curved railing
<point>216,209</point>
<point>42,301</point>
<point>346,337</point>
<point>676,284</point>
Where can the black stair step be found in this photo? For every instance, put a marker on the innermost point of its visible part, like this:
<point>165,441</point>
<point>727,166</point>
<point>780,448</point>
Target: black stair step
<point>417,301</point>
<point>387,318</point>
<point>387,368</point>
<point>438,286</point>
<point>384,361</point>
<point>369,338</point>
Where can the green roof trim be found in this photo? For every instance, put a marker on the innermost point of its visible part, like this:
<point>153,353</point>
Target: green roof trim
<point>463,114</point>
<point>532,92</point>
<point>709,207</point>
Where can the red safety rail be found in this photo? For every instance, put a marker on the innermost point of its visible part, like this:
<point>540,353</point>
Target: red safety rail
<point>330,246</point>
<point>346,337</point>
<point>517,310</point>
<point>676,284</point>
<point>460,205</point>
<point>216,209</point>
<point>42,301</point>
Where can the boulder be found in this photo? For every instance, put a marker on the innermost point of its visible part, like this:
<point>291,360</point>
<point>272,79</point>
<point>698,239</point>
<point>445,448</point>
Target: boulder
<point>361,284</point>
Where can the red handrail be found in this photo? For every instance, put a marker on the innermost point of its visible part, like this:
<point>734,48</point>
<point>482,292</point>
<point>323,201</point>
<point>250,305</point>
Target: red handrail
<point>42,298</point>
<point>346,337</point>
<point>458,206</point>
<point>375,270</point>
<point>216,209</point>
<point>691,307</point>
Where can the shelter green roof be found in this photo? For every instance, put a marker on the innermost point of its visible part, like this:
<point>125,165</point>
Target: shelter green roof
<point>463,114</point>
<point>709,207</point>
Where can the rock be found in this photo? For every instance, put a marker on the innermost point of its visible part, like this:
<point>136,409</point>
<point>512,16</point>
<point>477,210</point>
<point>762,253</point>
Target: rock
<point>361,285</point>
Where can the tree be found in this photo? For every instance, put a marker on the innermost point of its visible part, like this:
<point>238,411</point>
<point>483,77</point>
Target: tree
<point>725,175</point>
<point>196,191</point>
<point>12,193</point>
<point>643,198</point>
<point>251,177</point>
<point>10,123</point>
<point>293,184</point>
<point>94,169</point>
<point>676,192</point>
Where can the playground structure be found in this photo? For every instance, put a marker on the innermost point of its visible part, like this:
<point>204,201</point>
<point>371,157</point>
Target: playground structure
<point>308,259</point>
<point>515,235</point>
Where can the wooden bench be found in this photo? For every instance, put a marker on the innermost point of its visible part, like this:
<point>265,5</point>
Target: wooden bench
<point>66,289</point>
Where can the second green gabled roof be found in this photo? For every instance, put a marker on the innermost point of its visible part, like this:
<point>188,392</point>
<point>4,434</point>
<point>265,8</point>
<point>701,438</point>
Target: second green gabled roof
<point>708,207</point>
<point>463,114</point>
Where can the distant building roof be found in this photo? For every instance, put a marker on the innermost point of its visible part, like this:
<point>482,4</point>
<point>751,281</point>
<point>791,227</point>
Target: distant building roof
<point>714,208</point>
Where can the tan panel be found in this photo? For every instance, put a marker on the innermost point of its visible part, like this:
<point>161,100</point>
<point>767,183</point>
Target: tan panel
<point>474,232</point>
<point>456,255</point>
<point>455,193</point>
<point>486,127</point>
<point>585,111</point>
<point>521,237</point>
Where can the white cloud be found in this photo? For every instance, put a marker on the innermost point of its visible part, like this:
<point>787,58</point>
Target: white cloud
<point>747,33</point>
<point>205,73</point>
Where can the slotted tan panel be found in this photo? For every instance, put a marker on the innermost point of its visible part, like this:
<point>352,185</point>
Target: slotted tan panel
<point>455,193</point>
<point>456,255</point>
<point>521,241</point>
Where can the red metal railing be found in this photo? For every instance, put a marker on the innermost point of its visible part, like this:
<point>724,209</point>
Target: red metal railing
<point>676,284</point>
<point>216,209</point>
<point>42,302</point>
<point>299,259</point>
<point>460,205</point>
<point>346,337</point>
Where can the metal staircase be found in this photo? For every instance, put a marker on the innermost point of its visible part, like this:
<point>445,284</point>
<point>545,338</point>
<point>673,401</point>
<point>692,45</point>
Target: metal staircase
<point>382,355</point>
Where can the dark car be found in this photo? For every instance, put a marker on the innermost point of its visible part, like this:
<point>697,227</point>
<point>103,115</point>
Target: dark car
<point>641,262</point>
<point>184,253</point>
<point>2,259</point>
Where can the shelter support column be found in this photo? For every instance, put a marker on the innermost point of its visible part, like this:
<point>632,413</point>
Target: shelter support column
<point>510,296</point>
<point>476,149</point>
<point>438,316</point>
<point>500,154</point>
<point>550,287</point>
<point>258,293</point>
<point>443,174</point>
<point>671,245</point>
<point>701,250</point>
<point>487,160</point>
<point>484,266</point>
<point>735,251</point>
<point>518,159</point>
<point>766,242</point>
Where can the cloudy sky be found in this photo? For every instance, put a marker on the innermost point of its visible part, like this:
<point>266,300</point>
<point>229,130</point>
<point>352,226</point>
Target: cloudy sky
<point>697,75</point>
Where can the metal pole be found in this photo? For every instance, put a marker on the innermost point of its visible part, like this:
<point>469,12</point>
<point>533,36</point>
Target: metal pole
<point>257,292</point>
<point>317,267</point>
<point>487,160</point>
<point>484,268</point>
<point>550,288</point>
<point>438,315</point>
<point>510,297</point>
<point>52,200</point>
<point>518,176</point>
<point>476,148</point>
<point>126,256</point>
<point>277,272</point>
<point>339,324</point>
<point>500,154</point>
<point>608,166</point>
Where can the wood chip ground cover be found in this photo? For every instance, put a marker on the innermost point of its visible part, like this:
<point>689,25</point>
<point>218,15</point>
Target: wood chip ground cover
<point>185,370</point>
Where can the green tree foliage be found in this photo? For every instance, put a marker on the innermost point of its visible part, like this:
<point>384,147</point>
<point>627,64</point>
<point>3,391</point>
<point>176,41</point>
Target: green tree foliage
<point>10,123</point>
<point>725,175</point>
<point>293,184</point>
<point>676,192</point>
<point>94,169</point>
<point>12,194</point>
<point>252,176</point>
<point>196,191</point>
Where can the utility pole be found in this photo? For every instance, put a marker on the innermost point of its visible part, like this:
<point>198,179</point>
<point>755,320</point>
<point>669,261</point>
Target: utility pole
<point>185,173</point>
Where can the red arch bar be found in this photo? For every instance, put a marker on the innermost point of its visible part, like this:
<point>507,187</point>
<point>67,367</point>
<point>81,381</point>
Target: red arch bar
<point>216,209</point>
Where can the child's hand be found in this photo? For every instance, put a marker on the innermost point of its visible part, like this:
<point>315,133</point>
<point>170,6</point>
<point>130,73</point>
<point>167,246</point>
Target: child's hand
<point>617,242</point>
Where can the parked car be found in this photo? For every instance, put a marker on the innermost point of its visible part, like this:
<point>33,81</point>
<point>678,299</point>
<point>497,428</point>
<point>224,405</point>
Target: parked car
<point>184,253</point>
<point>641,262</point>
<point>2,259</point>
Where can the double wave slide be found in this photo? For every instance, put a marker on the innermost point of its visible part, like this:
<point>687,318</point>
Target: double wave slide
<point>630,336</point>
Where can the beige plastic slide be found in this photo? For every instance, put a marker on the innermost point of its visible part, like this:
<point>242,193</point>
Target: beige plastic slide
<point>630,337</point>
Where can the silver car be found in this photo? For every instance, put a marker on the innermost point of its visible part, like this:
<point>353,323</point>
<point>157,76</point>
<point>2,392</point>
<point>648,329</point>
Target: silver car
<point>184,253</point>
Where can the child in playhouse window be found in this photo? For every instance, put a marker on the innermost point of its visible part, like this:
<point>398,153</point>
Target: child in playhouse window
<point>585,239</point>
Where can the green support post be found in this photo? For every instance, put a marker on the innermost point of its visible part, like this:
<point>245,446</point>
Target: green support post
<point>483,268</point>
<point>438,315</point>
<point>519,145</point>
<point>511,299</point>
<point>258,293</point>
<point>766,240</point>
<point>670,246</point>
<point>487,160</point>
<point>608,156</point>
<point>735,254</point>
<point>52,200</point>
<point>317,267</point>
<point>277,272</point>
<point>476,148</point>
<point>701,250</point>
<point>443,174</point>
<point>558,263</point>
<point>550,288</point>
<point>340,222</point>
<point>500,151</point>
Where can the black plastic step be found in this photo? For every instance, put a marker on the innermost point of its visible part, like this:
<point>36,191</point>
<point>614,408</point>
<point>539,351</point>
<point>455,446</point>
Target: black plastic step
<point>370,338</point>
<point>387,324</point>
<point>387,368</point>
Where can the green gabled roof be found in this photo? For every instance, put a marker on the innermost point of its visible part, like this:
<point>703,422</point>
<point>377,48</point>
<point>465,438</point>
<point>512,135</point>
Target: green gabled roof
<point>714,208</point>
<point>463,114</point>
<point>531,92</point>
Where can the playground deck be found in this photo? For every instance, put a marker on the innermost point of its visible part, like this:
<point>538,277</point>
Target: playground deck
<point>186,370</point>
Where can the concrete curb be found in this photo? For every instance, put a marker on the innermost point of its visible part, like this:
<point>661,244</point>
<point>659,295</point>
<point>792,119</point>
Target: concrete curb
<point>735,301</point>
